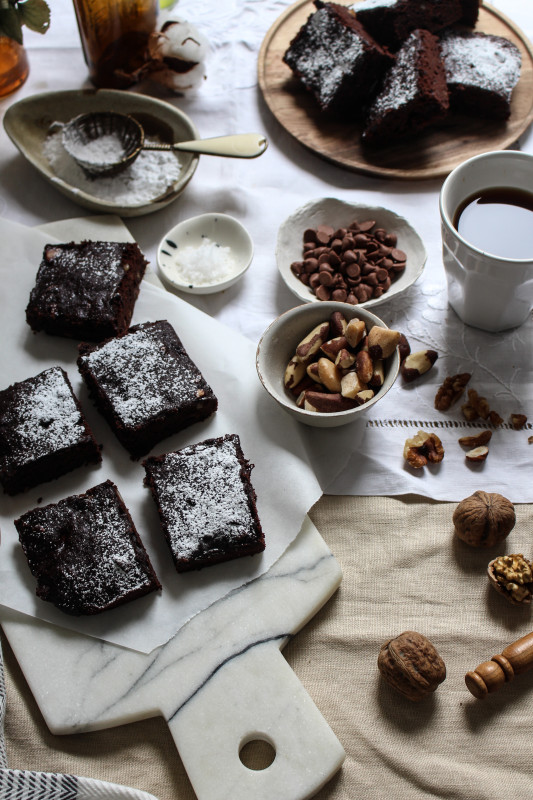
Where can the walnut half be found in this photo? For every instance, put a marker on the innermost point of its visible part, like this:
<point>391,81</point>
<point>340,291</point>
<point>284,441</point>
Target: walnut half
<point>423,448</point>
<point>512,576</point>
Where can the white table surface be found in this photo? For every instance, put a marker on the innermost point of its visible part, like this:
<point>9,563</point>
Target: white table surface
<point>262,193</point>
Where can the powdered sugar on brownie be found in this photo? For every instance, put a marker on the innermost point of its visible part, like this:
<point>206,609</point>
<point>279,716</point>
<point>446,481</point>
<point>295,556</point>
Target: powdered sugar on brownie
<point>86,290</point>
<point>85,552</point>
<point>490,63</point>
<point>414,92</point>
<point>141,377</point>
<point>98,266</point>
<point>401,81</point>
<point>367,5</point>
<point>336,59</point>
<point>208,502</point>
<point>43,417</point>
<point>329,55</point>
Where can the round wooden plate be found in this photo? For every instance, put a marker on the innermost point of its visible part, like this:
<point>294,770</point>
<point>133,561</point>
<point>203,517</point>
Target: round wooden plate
<point>433,154</point>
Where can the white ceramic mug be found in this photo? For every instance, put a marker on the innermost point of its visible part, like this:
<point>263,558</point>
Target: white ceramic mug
<point>486,291</point>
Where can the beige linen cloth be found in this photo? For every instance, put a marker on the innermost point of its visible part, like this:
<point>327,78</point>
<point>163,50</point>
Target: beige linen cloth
<point>403,569</point>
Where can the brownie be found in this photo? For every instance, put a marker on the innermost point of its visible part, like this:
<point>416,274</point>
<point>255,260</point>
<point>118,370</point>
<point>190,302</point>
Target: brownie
<point>470,13</point>
<point>414,93</point>
<point>206,502</point>
<point>481,72</point>
<point>43,431</point>
<point>86,291</point>
<point>336,59</point>
<point>145,385</point>
<point>85,552</point>
<point>391,21</point>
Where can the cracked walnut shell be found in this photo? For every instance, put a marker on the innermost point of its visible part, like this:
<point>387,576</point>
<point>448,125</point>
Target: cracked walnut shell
<point>411,664</point>
<point>423,448</point>
<point>484,519</point>
<point>512,576</point>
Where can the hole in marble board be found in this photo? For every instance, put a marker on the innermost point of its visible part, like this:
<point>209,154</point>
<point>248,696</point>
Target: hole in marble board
<point>257,752</point>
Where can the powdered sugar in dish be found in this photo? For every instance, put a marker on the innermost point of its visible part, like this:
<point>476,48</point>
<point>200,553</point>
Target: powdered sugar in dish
<point>106,149</point>
<point>149,177</point>
<point>206,264</point>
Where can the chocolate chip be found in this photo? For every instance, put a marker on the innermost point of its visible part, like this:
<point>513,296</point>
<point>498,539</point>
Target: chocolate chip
<point>398,255</point>
<point>351,264</point>
<point>323,293</point>
<point>367,225</point>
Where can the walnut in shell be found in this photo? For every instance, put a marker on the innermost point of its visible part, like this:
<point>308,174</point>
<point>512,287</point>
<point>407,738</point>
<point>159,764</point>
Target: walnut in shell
<point>512,576</point>
<point>484,519</point>
<point>411,664</point>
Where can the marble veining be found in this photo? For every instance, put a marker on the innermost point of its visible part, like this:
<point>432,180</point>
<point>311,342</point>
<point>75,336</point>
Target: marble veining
<point>219,682</point>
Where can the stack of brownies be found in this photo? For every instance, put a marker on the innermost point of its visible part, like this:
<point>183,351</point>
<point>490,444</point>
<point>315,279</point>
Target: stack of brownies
<point>398,66</point>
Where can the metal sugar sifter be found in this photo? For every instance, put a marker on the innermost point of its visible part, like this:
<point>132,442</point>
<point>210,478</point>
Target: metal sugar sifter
<point>84,138</point>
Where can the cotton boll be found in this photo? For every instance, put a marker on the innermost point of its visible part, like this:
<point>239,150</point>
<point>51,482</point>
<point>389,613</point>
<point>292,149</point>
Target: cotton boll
<point>178,51</point>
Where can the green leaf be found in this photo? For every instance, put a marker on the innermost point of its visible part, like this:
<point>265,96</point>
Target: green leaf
<point>11,24</point>
<point>35,15</point>
<point>167,3</point>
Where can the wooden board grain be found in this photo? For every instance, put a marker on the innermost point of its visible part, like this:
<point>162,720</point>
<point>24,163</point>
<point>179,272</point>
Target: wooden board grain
<point>431,154</point>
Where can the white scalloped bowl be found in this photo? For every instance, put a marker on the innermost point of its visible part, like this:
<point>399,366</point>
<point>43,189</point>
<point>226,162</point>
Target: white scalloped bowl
<point>277,346</point>
<point>338,213</point>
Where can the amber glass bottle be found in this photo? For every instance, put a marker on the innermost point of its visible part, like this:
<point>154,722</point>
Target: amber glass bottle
<point>14,67</point>
<point>114,36</point>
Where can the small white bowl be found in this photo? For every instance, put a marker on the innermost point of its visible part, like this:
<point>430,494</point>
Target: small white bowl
<point>220,229</point>
<point>338,213</point>
<point>278,344</point>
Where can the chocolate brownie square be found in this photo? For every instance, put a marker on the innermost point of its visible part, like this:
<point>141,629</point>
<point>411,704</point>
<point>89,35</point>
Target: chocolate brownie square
<point>145,385</point>
<point>86,553</point>
<point>414,93</point>
<point>206,503</point>
<point>482,71</point>
<point>336,59</point>
<point>391,21</point>
<point>86,291</point>
<point>43,431</point>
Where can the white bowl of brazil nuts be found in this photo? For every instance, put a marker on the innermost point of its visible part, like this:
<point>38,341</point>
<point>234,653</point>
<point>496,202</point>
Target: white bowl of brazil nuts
<point>277,347</point>
<point>205,254</point>
<point>339,214</point>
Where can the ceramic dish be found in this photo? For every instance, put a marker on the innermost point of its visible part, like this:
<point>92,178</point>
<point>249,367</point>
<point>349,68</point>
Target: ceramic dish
<point>206,230</point>
<point>278,345</point>
<point>29,121</point>
<point>337,213</point>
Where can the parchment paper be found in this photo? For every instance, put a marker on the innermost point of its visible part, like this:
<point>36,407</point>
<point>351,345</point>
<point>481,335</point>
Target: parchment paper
<point>282,477</point>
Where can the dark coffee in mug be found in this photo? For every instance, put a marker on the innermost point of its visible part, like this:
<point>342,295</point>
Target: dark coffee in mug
<point>498,221</point>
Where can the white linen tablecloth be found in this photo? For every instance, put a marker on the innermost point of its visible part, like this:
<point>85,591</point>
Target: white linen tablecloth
<point>261,194</point>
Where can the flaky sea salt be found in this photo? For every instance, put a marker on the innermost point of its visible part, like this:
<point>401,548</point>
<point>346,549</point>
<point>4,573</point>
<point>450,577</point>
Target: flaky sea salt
<point>149,177</point>
<point>203,265</point>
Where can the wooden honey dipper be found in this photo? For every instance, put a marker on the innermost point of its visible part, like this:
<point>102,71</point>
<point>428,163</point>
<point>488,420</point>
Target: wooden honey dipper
<point>489,676</point>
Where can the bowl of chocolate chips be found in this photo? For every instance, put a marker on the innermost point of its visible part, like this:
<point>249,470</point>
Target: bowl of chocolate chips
<point>358,254</point>
<point>327,363</point>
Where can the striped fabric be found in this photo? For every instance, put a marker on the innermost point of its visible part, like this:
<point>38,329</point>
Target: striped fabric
<point>18,784</point>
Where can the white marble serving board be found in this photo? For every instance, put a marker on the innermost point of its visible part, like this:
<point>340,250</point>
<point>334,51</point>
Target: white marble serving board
<point>220,682</point>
